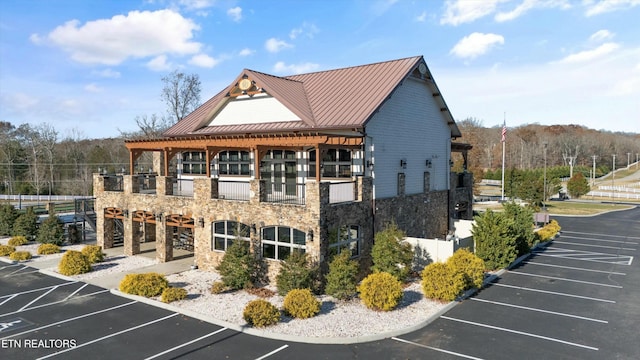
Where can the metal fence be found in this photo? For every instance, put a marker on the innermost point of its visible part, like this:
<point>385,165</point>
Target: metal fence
<point>182,187</point>
<point>342,192</point>
<point>233,190</point>
<point>286,193</point>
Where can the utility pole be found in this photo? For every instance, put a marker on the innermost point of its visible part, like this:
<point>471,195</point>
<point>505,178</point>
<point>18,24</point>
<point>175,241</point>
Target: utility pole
<point>593,181</point>
<point>628,157</point>
<point>613,178</point>
<point>544,186</point>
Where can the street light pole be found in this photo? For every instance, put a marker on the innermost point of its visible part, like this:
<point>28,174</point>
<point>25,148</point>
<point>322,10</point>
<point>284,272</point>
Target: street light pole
<point>628,157</point>
<point>544,186</point>
<point>613,178</point>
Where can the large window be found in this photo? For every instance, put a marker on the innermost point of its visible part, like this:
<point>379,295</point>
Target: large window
<point>345,238</point>
<point>336,163</point>
<point>226,232</point>
<point>279,241</point>
<point>234,163</point>
<point>194,162</point>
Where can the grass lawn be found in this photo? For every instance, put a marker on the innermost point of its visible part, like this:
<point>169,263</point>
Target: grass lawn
<point>566,207</point>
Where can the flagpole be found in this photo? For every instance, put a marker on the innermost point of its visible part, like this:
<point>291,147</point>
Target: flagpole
<point>503,139</point>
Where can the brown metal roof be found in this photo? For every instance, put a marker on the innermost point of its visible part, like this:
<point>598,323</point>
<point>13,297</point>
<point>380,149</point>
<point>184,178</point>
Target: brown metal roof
<point>333,99</point>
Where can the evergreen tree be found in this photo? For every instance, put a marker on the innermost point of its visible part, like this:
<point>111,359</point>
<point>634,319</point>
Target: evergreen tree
<point>26,224</point>
<point>342,279</point>
<point>494,241</point>
<point>295,273</point>
<point>237,266</point>
<point>51,231</point>
<point>390,255</point>
<point>578,185</point>
<point>521,227</point>
<point>8,216</point>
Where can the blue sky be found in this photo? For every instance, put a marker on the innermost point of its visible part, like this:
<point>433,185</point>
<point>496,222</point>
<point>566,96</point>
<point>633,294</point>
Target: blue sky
<point>91,67</point>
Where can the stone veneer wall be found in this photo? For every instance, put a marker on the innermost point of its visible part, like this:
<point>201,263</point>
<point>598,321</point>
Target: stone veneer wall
<point>419,215</point>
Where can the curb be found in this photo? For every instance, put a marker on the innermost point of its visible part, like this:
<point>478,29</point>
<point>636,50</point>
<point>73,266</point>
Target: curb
<point>58,275</point>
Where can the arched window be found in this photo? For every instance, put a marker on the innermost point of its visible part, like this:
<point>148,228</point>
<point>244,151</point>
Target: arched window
<point>279,241</point>
<point>224,233</point>
<point>345,238</point>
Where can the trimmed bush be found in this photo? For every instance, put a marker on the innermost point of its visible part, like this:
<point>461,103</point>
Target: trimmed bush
<point>381,291</point>
<point>51,231</point>
<point>548,231</point>
<point>494,240</point>
<point>295,273</point>
<point>17,240</point>
<point>93,253</point>
<point>441,282</point>
<point>6,250</point>
<point>342,279</point>
<point>20,256</point>
<point>26,224</point>
<point>261,313</point>
<point>301,304</point>
<point>8,216</point>
<point>521,227</point>
<point>218,287</point>
<point>74,263</point>
<point>237,266</point>
<point>470,266</point>
<point>48,249</point>
<point>171,294</point>
<point>390,255</point>
<point>147,284</point>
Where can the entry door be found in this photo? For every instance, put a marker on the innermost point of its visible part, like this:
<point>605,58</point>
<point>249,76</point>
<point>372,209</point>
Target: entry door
<point>284,177</point>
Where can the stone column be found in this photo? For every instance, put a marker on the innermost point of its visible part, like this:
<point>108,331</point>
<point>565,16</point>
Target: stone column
<point>108,231</point>
<point>131,237</point>
<point>158,163</point>
<point>164,243</point>
<point>164,186</point>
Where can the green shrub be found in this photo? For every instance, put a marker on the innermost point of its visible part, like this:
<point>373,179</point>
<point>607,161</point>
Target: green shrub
<point>93,253</point>
<point>548,231</point>
<point>494,241</point>
<point>237,266</point>
<point>469,265</point>
<point>261,313</point>
<point>6,250</point>
<point>171,294</point>
<point>521,227</point>
<point>381,291</point>
<point>20,255</point>
<point>17,241</point>
<point>74,263</point>
<point>342,279</point>
<point>147,284</point>
<point>26,224</point>
<point>390,255</point>
<point>295,273</point>
<point>441,282</point>
<point>301,304</point>
<point>48,249</point>
<point>51,231</point>
<point>8,216</point>
<point>218,287</point>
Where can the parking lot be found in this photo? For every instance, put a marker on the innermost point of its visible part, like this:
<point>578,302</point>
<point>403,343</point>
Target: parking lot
<point>578,298</point>
<point>575,299</point>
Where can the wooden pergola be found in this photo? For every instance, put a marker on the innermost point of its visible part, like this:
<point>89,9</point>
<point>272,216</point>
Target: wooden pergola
<point>259,144</point>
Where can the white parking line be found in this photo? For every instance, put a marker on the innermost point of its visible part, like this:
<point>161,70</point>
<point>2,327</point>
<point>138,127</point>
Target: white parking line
<point>520,333</point>
<point>273,352</point>
<point>53,303</point>
<point>38,298</point>
<point>620,262</point>
<point>40,289</point>
<point>17,271</point>
<point>603,240</point>
<point>596,234</point>
<point>592,245</point>
<point>575,268</point>
<point>75,292</point>
<point>565,279</point>
<point>8,266</point>
<point>186,344</point>
<point>539,310</point>
<point>555,293</point>
<point>108,336</point>
<point>436,349</point>
<point>71,319</point>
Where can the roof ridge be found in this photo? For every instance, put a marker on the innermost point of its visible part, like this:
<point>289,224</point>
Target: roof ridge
<point>351,67</point>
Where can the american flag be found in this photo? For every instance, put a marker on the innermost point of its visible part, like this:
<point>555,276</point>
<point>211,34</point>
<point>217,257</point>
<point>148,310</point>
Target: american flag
<point>504,132</point>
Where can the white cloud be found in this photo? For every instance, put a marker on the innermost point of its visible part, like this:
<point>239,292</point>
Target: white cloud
<point>196,4</point>
<point>307,29</point>
<point>203,60</point>
<point>422,17</point>
<point>107,73</point>
<point>159,63</point>
<point>601,35</point>
<point>589,55</point>
<point>136,35</point>
<point>281,67</point>
<point>476,44</point>
<point>605,6</point>
<point>527,5</point>
<point>246,52</point>
<point>274,45</point>
<point>463,11</point>
<point>235,13</point>
<point>93,88</point>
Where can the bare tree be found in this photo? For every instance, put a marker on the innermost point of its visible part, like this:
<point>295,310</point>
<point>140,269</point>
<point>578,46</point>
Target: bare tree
<point>181,94</point>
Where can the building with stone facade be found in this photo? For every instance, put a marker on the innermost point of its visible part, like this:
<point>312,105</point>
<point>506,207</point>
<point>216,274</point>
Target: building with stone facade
<point>314,162</point>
